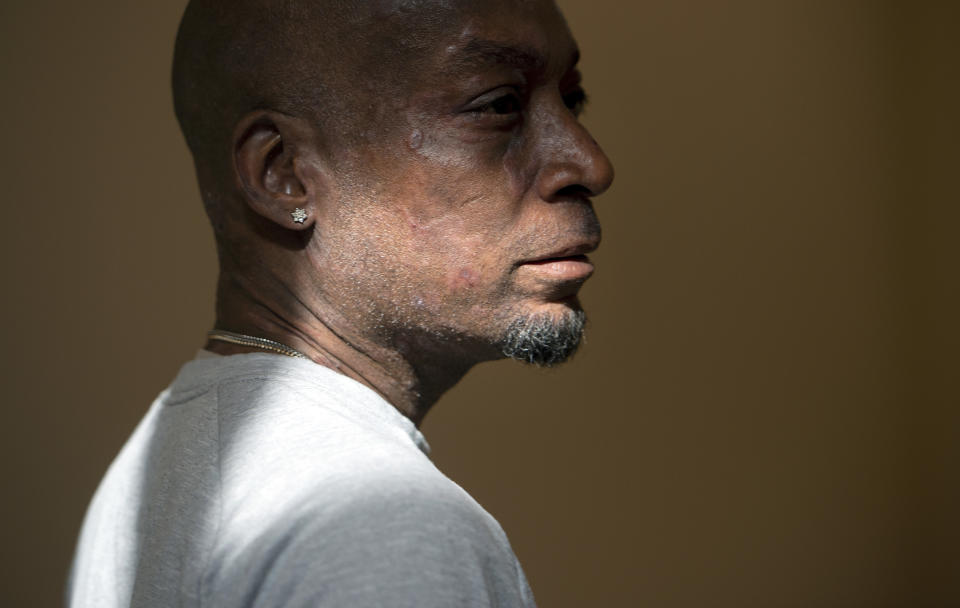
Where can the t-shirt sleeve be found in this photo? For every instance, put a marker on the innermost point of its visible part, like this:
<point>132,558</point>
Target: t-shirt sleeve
<point>403,547</point>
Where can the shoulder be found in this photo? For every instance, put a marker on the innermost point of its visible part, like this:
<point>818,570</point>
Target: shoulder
<point>327,498</point>
<point>283,422</point>
<point>388,539</point>
<point>388,531</point>
<point>362,495</point>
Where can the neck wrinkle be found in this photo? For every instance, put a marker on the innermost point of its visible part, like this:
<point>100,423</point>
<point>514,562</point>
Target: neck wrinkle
<point>320,332</point>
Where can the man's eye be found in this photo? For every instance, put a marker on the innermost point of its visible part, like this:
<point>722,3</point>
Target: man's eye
<point>508,104</point>
<point>505,104</point>
<point>575,100</point>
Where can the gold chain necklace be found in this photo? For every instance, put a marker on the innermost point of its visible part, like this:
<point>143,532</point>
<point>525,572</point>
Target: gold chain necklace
<point>254,341</point>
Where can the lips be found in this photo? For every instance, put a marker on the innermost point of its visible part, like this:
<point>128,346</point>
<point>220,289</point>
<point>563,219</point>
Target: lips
<point>577,250</point>
<point>569,263</point>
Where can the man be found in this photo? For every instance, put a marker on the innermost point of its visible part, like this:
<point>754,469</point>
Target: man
<point>399,189</point>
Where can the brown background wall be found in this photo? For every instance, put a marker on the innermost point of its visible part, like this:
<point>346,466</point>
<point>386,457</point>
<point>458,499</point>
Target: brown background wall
<point>766,411</point>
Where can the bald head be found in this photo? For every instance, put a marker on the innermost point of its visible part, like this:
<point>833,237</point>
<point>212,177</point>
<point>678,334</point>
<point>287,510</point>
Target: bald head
<point>315,59</point>
<point>237,56</point>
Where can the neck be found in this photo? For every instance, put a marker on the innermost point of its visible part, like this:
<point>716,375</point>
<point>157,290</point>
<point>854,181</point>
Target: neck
<point>408,373</point>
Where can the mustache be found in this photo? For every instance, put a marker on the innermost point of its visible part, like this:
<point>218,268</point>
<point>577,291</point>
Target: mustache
<point>576,232</point>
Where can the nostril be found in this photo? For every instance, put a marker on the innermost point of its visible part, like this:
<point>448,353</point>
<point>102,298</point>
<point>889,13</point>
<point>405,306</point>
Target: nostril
<point>573,191</point>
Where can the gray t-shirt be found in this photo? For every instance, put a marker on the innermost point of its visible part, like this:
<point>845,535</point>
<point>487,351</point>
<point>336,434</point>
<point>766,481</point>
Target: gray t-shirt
<point>263,480</point>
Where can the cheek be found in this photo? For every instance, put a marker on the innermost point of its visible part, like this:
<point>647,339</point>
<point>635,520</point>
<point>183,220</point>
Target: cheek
<point>452,261</point>
<point>456,207</point>
<point>457,213</point>
<point>456,156</point>
<point>464,279</point>
<point>520,174</point>
<point>415,140</point>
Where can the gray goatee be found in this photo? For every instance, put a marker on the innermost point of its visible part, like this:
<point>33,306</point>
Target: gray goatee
<point>543,339</point>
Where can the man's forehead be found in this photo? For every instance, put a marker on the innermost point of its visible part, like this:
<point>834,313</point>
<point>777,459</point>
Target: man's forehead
<point>530,37</point>
<point>389,6</point>
<point>531,26</point>
<point>479,53</point>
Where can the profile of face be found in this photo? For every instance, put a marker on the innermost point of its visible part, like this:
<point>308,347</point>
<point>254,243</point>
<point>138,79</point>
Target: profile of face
<point>434,151</point>
<point>461,216</point>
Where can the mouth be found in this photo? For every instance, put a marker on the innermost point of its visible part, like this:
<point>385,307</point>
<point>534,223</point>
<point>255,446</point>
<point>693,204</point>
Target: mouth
<point>567,264</point>
<point>569,268</point>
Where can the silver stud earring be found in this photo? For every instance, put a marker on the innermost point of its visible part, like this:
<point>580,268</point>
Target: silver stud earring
<point>298,215</point>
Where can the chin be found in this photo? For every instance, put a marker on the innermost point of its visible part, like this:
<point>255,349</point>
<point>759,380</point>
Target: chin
<point>545,337</point>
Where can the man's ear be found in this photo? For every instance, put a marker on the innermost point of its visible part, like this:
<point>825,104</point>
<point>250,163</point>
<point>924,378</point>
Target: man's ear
<point>273,162</point>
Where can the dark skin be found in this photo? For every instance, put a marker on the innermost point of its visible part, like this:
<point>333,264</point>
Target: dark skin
<point>460,204</point>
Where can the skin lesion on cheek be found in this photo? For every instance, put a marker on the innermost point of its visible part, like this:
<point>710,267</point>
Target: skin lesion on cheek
<point>412,220</point>
<point>415,140</point>
<point>465,278</point>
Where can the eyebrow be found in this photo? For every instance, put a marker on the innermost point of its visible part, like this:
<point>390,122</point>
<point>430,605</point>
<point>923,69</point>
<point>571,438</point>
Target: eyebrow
<point>479,53</point>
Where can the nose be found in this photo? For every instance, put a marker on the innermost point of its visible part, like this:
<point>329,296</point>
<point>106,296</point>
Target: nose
<point>572,162</point>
